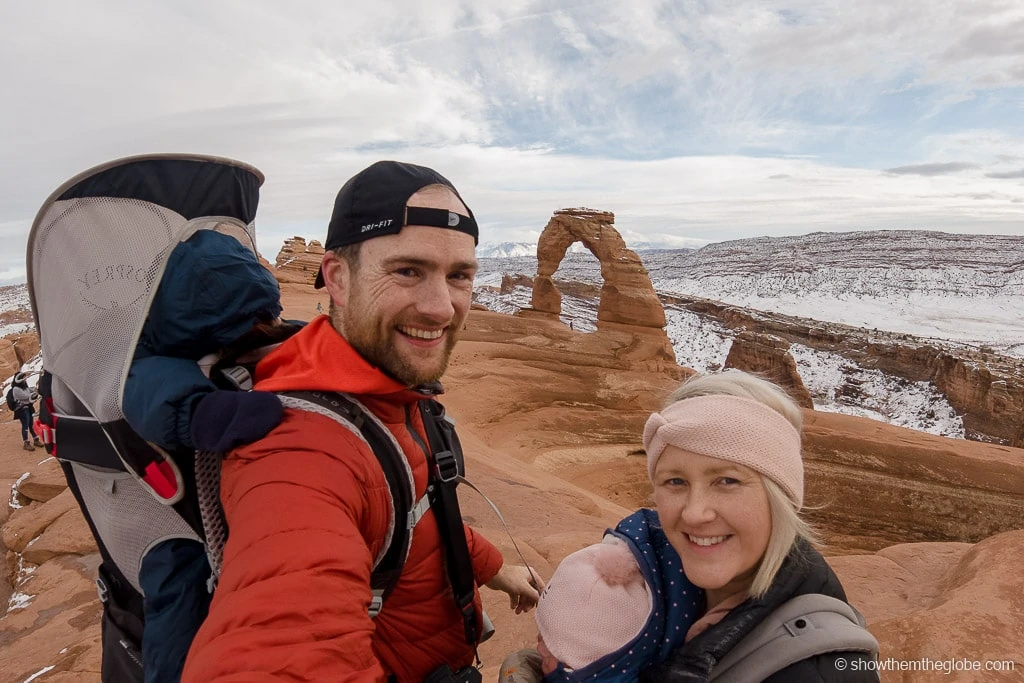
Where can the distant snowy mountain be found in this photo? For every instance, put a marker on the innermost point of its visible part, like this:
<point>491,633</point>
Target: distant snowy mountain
<point>506,250</point>
<point>657,246</point>
<point>523,249</point>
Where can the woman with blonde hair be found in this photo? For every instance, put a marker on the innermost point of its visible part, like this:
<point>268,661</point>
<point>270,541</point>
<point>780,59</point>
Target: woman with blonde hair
<point>724,456</point>
<point>722,583</point>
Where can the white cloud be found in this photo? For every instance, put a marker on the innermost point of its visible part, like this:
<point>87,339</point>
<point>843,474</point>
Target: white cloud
<point>691,120</point>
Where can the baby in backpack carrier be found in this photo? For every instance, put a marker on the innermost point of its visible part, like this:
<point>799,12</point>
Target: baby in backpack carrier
<point>594,608</point>
<point>214,292</point>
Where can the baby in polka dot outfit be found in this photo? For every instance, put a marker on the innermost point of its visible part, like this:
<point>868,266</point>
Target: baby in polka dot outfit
<point>610,609</point>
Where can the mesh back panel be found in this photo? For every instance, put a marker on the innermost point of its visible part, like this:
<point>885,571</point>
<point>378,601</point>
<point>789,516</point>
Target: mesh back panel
<point>95,265</point>
<point>128,519</point>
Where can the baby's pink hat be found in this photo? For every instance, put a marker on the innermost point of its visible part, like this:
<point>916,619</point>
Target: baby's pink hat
<point>596,602</point>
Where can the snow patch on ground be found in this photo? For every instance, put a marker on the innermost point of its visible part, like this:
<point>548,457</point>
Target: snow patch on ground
<point>16,328</point>
<point>839,385</point>
<point>699,343</point>
<point>580,313</point>
<point>19,601</point>
<point>39,673</point>
<point>14,492</point>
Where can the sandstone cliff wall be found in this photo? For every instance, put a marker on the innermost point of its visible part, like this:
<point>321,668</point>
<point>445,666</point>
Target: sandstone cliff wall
<point>769,356</point>
<point>298,262</point>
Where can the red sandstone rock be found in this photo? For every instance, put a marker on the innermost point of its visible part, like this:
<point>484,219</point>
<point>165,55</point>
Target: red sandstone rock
<point>67,535</point>
<point>297,262</point>
<point>26,346</point>
<point>942,602</point>
<point>30,521</point>
<point>45,481</point>
<point>769,356</point>
<point>627,296</point>
<point>9,363</point>
<point>60,626</point>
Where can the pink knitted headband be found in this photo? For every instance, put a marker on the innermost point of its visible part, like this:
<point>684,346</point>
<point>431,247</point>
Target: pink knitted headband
<point>740,430</point>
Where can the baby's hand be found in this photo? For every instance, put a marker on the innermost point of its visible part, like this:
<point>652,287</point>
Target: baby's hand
<point>522,585</point>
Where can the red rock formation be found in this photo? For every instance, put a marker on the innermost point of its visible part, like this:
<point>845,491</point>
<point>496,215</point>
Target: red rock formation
<point>26,346</point>
<point>627,296</point>
<point>943,603</point>
<point>769,356</point>
<point>510,282</point>
<point>297,262</point>
<point>9,363</point>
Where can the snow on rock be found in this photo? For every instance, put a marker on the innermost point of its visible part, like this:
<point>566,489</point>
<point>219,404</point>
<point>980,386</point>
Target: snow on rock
<point>699,343</point>
<point>839,385</point>
<point>39,673</point>
<point>14,491</point>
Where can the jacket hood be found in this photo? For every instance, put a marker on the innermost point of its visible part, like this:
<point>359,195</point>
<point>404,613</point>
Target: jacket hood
<point>318,358</point>
<point>213,291</point>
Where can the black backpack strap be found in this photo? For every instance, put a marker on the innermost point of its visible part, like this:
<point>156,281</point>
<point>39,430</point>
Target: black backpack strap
<point>446,468</point>
<point>388,568</point>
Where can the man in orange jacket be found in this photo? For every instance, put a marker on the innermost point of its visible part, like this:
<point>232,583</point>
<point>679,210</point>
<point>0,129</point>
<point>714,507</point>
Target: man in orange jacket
<point>308,506</point>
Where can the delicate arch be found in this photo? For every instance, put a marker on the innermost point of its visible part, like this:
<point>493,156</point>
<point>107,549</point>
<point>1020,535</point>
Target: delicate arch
<point>627,296</point>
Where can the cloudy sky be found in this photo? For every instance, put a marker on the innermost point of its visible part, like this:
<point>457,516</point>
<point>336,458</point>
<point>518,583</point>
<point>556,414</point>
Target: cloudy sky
<point>694,122</point>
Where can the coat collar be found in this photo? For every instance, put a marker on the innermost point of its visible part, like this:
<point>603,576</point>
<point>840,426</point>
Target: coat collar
<point>318,358</point>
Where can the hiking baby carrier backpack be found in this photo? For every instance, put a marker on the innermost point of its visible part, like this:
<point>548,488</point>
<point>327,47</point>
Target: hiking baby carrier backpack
<point>97,256</point>
<point>97,253</point>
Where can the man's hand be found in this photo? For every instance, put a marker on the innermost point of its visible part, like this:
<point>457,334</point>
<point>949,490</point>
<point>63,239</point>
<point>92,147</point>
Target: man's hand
<point>522,584</point>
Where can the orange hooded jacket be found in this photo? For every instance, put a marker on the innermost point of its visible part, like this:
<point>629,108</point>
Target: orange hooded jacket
<point>308,509</point>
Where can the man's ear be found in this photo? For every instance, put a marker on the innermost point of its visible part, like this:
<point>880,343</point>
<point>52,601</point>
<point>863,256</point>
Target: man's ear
<point>337,274</point>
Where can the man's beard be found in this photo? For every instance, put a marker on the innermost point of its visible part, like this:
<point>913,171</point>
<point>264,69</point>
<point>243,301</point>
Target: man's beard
<point>377,347</point>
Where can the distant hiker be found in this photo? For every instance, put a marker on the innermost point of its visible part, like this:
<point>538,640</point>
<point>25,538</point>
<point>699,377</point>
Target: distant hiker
<point>319,308</point>
<point>734,591</point>
<point>309,508</point>
<point>570,325</point>
<point>724,458</point>
<point>20,399</point>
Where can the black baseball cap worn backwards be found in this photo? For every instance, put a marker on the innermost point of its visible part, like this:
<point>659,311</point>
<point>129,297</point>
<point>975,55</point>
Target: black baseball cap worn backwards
<point>373,203</point>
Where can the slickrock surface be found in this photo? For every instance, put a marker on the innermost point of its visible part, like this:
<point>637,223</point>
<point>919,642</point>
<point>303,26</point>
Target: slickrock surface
<point>47,577</point>
<point>942,602</point>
